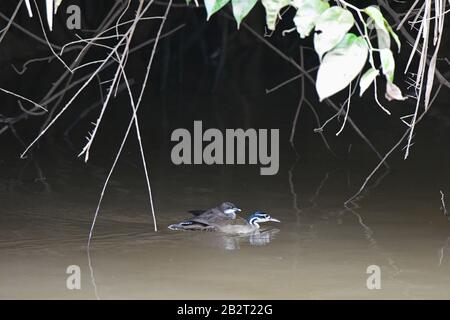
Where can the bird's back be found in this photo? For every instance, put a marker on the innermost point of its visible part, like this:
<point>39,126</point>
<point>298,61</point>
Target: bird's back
<point>204,220</point>
<point>212,215</point>
<point>238,225</point>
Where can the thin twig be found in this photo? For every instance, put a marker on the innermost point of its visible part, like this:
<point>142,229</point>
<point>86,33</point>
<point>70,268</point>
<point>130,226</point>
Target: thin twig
<point>311,79</point>
<point>5,30</point>
<point>377,167</point>
<point>22,97</point>
<point>443,207</point>
<point>300,104</point>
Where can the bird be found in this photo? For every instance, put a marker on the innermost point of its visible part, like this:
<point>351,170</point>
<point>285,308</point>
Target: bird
<point>226,210</point>
<point>230,226</point>
<point>205,219</point>
<point>245,226</point>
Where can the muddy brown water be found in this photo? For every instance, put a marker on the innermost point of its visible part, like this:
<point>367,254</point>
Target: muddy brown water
<point>319,251</point>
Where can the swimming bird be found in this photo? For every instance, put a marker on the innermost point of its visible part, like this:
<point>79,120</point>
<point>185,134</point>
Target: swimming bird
<point>205,219</point>
<point>226,210</point>
<point>245,226</point>
<point>231,226</point>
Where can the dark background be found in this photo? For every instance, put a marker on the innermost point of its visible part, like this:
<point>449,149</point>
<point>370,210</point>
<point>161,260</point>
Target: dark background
<point>209,71</point>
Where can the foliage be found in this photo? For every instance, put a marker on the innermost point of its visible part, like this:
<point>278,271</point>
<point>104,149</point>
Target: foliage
<point>342,54</point>
<point>341,65</point>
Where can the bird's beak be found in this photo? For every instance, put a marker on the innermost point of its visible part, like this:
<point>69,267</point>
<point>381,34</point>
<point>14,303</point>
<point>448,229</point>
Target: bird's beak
<point>274,220</point>
<point>229,211</point>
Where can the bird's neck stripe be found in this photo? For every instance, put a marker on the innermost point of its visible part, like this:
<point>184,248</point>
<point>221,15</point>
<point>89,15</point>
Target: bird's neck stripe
<point>253,222</point>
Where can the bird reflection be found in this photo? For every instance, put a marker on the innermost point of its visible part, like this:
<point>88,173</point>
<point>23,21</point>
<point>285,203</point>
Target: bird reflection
<point>256,238</point>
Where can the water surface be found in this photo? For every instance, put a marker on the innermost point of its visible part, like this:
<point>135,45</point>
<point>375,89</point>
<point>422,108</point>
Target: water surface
<point>320,250</point>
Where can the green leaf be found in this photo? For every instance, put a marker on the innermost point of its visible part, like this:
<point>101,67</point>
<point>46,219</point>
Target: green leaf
<point>241,9</point>
<point>50,10</point>
<point>387,64</point>
<point>366,80</point>
<point>393,92</point>
<point>308,11</point>
<point>377,17</point>
<point>394,35</point>
<point>334,23</point>
<point>384,40</point>
<point>381,24</point>
<point>212,6</point>
<point>273,8</point>
<point>341,65</point>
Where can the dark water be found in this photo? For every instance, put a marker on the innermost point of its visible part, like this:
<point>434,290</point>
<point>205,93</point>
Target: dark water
<point>320,250</point>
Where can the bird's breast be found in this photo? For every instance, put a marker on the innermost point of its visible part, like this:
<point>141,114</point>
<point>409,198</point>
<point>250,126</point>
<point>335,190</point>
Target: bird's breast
<point>236,229</point>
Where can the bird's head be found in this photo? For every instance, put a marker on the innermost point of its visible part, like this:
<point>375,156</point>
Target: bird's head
<point>229,209</point>
<point>259,217</point>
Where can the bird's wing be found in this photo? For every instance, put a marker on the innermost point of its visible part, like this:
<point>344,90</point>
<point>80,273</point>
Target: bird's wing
<point>196,212</point>
<point>191,225</point>
<point>211,214</point>
<point>236,222</point>
<point>206,213</point>
<point>206,222</point>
